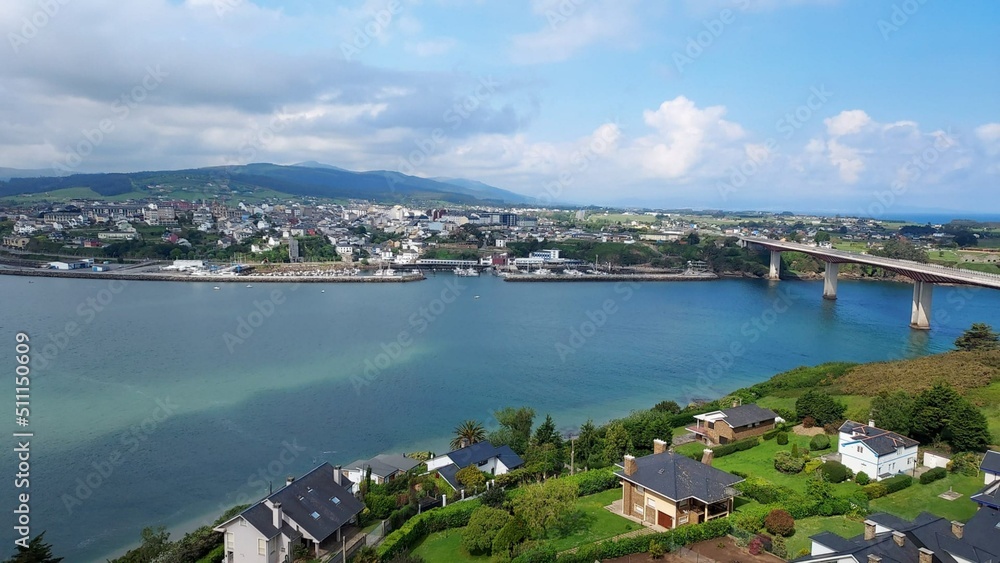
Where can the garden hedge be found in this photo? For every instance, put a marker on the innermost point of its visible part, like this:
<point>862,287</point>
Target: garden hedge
<point>684,535</point>
<point>819,442</point>
<point>594,481</point>
<point>933,475</point>
<point>733,447</point>
<point>434,520</point>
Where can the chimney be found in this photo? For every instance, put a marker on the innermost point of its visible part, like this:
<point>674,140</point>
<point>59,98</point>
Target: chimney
<point>899,538</point>
<point>957,528</point>
<point>464,443</point>
<point>736,403</point>
<point>289,480</point>
<point>871,422</point>
<point>336,474</point>
<point>706,456</point>
<point>659,446</point>
<point>277,515</point>
<point>926,555</point>
<point>629,464</point>
<point>872,558</point>
<point>869,530</point>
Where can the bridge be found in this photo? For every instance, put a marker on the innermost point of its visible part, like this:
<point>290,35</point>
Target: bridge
<point>924,276</point>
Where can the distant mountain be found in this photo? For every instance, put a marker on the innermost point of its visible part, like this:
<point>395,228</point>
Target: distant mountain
<point>304,179</point>
<point>485,191</point>
<point>8,173</point>
<point>314,164</point>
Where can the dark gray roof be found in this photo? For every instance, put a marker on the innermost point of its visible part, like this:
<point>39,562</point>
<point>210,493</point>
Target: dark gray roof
<point>988,495</point>
<point>747,414</point>
<point>449,473</point>
<point>385,465</point>
<point>260,517</point>
<point>318,504</point>
<point>991,463</point>
<point>678,477</point>
<point>482,451</point>
<point>980,540</point>
<point>880,441</point>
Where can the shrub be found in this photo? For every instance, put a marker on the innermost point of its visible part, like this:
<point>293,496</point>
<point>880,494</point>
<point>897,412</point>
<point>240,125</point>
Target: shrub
<point>933,475</point>
<point>380,505</point>
<point>966,463</point>
<point>780,522</point>
<point>781,438</point>
<point>544,554</point>
<point>778,547</point>
<point>862,478</point>
<point>786,462</point>
<point>494,497</point>
<point>756,546</point>
<point>409,534</point>
<point>819,442</point>
<point>795,450</point>
<point>812,465</point>
<point>594,481</point>
<point>770,434</point>
<point>834,471</point>
<point>897,483</point>
<point>656,549</point>
<point>512,533</point>
<point>763,491</point>
<point>819,406</point>
<point>875,490</point>
<point>749,520</point>
<point>808,422</point>
<point>484,524</point>
<point>471,477</point>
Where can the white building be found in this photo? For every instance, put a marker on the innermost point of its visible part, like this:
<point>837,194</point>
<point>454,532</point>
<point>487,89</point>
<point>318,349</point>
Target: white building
<point>879,453</point>
<point>484,455</point>
<point>991,467</point>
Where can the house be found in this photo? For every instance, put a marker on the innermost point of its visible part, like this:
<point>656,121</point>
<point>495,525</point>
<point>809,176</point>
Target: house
<point>667,490</point>
<point>988,497</point>
<point>737,423</point>
<point>927,539</point>
<point>384,468</point>
<point>312,511</point>
<point>879,453</point>
<point>484,455</point>
<point>990,467</point>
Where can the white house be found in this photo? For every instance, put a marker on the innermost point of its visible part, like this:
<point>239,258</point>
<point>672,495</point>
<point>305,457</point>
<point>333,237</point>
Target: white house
<point>484,455</point>
<point>384,468</point>
<point>311,511</point>
<point>879,453</point>
<point>991,467</point>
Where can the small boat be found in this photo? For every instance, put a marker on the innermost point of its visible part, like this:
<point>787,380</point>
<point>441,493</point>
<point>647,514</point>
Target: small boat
<point>322,291</point>
<point>216,287</point>
<point>476,297</point>
<point>248,285</point>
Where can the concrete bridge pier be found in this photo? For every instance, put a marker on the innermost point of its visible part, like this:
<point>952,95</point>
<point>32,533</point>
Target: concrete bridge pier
<point>920,318</point>
<point>830,280</point>
<point>775,272</point>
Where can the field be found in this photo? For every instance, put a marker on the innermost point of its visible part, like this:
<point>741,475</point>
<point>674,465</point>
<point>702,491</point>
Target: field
<point>840,525</point>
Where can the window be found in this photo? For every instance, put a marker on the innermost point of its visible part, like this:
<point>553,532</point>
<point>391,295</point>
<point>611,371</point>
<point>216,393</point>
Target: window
<point>230,540</point>
<point>261,547</point>
<point>243,522</point>
<point>859,449</point>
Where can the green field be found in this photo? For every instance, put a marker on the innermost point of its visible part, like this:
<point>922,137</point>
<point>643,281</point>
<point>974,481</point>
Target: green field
<point>445,546</point>
<point>840,525</point>
<point>67,194</point>
<point>918,498</point>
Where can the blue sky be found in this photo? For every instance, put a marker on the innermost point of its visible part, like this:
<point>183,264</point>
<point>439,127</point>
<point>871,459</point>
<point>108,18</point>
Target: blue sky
<point>850,106</point>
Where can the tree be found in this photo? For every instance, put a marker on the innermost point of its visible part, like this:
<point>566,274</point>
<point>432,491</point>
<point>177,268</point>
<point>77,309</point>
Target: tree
<point>822,236</point>
<point>37,551</point>
<point>821,406</point>
<point>494,497</point>
<point>979,336</point>
<point>545,505</point>
<point>780,523</point>
<point>512,533</point>
<point>545,459</point>
<point>546,433</point>
<point>485,522</point>
<point>589,445</point>
<point>893,411</point>
<point>468,433</point>
<point>515,428</point>
<point>471,477</point>
<point>932,412</point>
<point>616,442</point>
<point>669,407</point>
<point>969,430</point>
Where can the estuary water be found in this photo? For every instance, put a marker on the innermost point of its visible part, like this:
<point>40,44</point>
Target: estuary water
<point>156,403</point>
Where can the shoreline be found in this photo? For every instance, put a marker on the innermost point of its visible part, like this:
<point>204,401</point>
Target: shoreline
<point>611,277</point>
<point>213,279</point>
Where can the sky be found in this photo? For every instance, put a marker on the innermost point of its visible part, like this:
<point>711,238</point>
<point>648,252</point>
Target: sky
<point>865,107</point>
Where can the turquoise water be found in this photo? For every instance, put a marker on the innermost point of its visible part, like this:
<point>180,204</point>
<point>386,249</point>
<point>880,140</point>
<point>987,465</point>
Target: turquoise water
<point>146,413</point>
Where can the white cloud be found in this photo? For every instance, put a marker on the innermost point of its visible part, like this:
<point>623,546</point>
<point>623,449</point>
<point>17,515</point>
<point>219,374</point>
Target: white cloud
<point>574,26</point>
<point>684,133</point>
<point>847,122</point>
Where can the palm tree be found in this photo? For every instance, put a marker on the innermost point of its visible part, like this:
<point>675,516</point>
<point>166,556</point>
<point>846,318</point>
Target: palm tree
<point>468,433</point>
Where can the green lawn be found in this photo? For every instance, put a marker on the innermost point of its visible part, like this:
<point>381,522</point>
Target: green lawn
<point>918,498</point>
<point>806,527</point>
<point>988,399</point>
<point>593,524</point>
<point>445,546</point>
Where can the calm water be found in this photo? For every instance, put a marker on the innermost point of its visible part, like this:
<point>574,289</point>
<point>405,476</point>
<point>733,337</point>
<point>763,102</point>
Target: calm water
<point>149,414</point>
